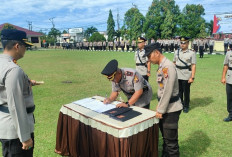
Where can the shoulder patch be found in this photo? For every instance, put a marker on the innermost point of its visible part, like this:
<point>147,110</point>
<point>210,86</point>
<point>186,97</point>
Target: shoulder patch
<point>136,79</point>
<point>129,73</point>
<point>165,72</point>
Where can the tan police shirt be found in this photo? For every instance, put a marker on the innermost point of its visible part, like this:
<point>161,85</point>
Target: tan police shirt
<point>15,94</point>
<point>167,87</point>
<point>189,57</point>
<point>228,61</point>
<point>131,82</point>
<point>142,69</point>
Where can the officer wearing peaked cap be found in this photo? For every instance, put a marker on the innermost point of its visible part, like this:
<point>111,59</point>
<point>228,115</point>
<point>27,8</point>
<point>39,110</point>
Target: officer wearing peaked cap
<point>142,64</point>
<point>16,98</point>
<point>169,104</point>
<point>185,61</point>
<point>130,82</point>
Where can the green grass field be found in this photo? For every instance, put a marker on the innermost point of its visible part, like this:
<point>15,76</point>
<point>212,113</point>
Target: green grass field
<point>202,131</point>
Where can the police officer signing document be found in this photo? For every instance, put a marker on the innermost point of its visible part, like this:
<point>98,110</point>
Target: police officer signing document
<point>185,61</point>
<point>169,104</point>
<point>133,85</point>
<point>142,64</point>
<point>16,98</point>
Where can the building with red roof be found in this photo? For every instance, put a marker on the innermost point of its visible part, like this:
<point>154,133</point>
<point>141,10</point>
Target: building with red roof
<point>32,36</point>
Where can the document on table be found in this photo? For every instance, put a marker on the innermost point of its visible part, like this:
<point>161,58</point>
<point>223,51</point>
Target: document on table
<point>94,104</point>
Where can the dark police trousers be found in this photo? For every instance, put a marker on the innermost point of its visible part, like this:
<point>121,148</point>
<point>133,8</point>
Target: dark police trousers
<point>201,51</point>
<point>13,148</point>
<point>229,99</point>
<point>146,77</point>
<point>225,48</point>
<point>210,48</point>
<point>184,92</point>
<point>169,128</point>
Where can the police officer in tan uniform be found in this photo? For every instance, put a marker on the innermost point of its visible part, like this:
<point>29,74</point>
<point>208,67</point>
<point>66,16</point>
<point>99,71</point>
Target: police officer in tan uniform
<point>16,98</point>
<point>227,79</point>
<point>142,64</point>
<point>169,104</point>
<point>133,85</point>
<point>185,61</point>
<point>211,45</point>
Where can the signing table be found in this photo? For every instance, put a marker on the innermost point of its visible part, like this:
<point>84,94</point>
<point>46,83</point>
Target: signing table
<point>82,132</point>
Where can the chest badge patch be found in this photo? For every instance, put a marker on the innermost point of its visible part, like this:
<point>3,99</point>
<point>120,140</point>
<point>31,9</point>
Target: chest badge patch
<point>165,72</point>
<point>136,79</point>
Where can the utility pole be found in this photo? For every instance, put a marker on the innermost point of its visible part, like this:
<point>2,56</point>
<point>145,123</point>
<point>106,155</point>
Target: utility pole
<point>29,25</point>
<point>51,19</point>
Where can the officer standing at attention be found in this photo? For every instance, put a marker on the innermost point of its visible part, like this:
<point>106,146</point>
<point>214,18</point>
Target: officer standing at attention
<point>211,45</point>
<point>142,64</point>
<point>169,104</point>
<point>227,79</point>
<point>226,44</point>
<point>133,85</point>
<point>185,61</point>
<point>16,98</point>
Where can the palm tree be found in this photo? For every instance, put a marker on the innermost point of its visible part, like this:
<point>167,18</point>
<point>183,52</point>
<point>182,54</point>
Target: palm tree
<point>89,31</point>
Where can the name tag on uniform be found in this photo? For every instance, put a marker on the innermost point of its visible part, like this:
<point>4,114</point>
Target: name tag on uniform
<point>159,79</point>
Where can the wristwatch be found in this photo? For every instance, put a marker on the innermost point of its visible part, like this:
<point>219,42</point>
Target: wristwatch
<point>148,72</point>
<point>128,105</point>
<point>193,78</point>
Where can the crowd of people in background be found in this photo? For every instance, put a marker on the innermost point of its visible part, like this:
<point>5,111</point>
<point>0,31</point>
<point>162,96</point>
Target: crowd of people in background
<point>200,45</point>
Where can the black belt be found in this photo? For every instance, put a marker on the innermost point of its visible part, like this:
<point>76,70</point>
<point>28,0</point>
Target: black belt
<point>172,100</point>
<point>140,64</point>
<point>230,68</point>
<point>184,67</point>
<point>6,110</point>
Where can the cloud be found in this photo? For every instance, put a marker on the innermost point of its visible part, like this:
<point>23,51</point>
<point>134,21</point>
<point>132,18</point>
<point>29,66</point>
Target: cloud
<point>85,13</point>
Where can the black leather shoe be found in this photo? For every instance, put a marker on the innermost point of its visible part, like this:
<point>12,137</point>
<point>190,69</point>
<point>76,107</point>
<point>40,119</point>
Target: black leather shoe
<point>228,119</point>
<point>186,110</point>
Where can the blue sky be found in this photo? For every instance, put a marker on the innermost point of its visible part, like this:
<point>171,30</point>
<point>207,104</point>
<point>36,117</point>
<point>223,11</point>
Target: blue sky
<point>86,13</point>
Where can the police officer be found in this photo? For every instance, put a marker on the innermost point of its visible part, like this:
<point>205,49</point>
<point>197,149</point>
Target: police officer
<point>142,64</point>
<point>133,44</point>
<point>226,44</point>
<point>211,45</point>
<point>16,98</point>
<point>201,47</point>
<point>133,85</point>
<point>169,104</point>
<point>185,61</point>
<point>227,79</point>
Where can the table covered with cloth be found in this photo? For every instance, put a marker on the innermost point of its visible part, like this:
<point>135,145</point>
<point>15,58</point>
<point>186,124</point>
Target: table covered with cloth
<point>82,132</point>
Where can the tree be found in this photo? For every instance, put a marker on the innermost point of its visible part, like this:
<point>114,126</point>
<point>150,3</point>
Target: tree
<point>209,27</point>
<point>191,20</point>
<point>202,33</point>
<point>97,37</point>
<point>133,23</point>
<point>52,35</point>
<point>167,26</point>
<point>89,31</point>
<point>64,32</point>
<point>156,15</point>
<point>110,26</point>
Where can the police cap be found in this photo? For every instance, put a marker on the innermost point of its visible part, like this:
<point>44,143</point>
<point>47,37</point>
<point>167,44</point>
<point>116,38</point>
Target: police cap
<point>183,38</point>
<point>110,69</point>
<point>141,39</point>
<point>150,48</point>
<point>14,34</point>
